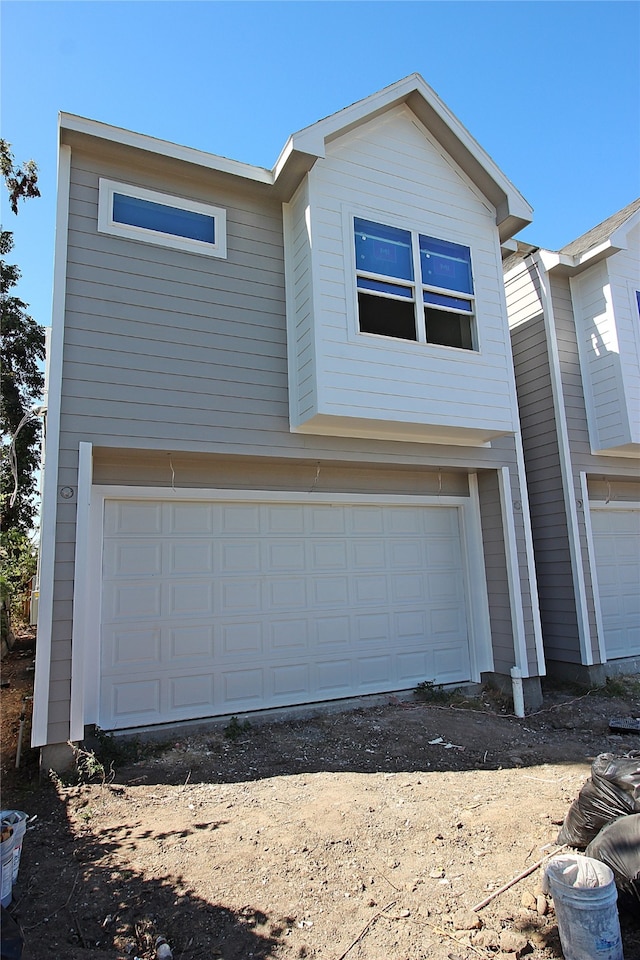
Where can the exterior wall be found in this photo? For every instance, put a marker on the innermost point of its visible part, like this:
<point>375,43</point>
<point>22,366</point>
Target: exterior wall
<point>175,370</point>
<point>546,496</point>
<point>560,470</point>
<point>389,170</point>
<point>624,278</point>
<point>600,358</point>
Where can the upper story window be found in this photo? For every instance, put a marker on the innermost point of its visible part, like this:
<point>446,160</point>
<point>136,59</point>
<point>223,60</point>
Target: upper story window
<point>437,309</point>
<point>152,217</point>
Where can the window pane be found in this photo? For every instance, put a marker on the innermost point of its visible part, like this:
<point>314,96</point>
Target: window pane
<point>162,218</point>
<point>442,300</point>
<point>387,318</point>
<point>384,250</point>
<point>366,284</point>
<point>448,329</point>
<point>446,265</point>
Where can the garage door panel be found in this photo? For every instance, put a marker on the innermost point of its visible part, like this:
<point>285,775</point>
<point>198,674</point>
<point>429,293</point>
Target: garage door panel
<point>134,558</point>
<point>329,591</point>
<point>243,688</point>
<point>215,608</point>
<point>132,600</point>
<point>132,650</point>
<point>242,640</point>
<point>238,597</point>
<point>332,631</point>
<point>133,519</point>
<point>189,518</point>
<point>290,681</point>
<point>189,643</point>
<point>616,541</point>
<point>190,558</point>
<point>190,692</point>
<point>288,637</point>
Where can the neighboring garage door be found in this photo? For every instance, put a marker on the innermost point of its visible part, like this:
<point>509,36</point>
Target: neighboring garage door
<point>222,607</point>
<point>616,539</point>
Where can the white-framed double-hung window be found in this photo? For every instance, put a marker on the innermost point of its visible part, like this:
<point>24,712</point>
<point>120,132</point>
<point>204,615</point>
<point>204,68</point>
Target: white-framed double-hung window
<point>168,221</point>
<point>436,308</point>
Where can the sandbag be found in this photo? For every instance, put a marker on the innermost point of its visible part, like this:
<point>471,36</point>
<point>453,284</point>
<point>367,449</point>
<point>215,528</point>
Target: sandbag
<point>618,845</point>
<point>612,791</point>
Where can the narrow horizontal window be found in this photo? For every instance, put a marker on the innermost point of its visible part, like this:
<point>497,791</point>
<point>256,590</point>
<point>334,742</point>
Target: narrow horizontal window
<point>148,216</point>
<point>164,219</point>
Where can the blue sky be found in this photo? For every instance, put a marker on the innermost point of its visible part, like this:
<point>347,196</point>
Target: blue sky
<point>551,90</point>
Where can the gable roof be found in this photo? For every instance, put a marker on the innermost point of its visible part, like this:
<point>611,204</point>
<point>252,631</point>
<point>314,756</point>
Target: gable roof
<point>601,233</point>
<point>512,210</point>
<point>305,147</point>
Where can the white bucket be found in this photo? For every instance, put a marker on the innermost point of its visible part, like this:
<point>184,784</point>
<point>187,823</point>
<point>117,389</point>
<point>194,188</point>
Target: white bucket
<point>584,896</point>
<point>18,821</point>
<point>6,866</point>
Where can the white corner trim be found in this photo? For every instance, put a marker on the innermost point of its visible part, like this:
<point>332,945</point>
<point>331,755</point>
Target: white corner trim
<point>480,647</point>
<point>564,452</point>
<point>40,722</point>
<point>531,562</point>
<point>513,572</point>
<point>591,552</point>
<point>81,582</point>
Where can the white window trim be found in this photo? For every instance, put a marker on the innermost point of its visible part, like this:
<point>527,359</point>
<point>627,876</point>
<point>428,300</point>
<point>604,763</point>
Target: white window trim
<point>106,223</point>
<point>418,287</point>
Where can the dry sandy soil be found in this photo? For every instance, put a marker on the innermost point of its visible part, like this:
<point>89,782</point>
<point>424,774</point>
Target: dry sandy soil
<point>364,835</point>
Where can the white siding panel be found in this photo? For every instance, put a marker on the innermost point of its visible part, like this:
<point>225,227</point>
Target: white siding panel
<point>392,171</point>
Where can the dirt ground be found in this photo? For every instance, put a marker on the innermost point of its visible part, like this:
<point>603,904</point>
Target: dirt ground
<point>361,835</point>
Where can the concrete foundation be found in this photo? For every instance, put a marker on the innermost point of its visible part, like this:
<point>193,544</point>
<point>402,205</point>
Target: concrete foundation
<point>593,675</point>
<point>531,688</point>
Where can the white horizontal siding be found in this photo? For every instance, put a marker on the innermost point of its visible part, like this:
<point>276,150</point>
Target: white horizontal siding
<point>300,307</point>
<point>390,170</point>
<point>609,362</point>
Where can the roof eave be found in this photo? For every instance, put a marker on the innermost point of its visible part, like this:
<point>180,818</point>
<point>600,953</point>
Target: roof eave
<point>72,124</point>
<point>512,210</point>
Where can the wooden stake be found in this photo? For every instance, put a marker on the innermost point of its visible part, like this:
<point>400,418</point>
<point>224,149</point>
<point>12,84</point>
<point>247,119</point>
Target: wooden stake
<point>511,883</point>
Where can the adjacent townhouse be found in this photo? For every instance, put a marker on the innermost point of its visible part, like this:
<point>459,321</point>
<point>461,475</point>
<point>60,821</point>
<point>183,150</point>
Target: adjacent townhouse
<point>284,462</point>
<point>575,329</point>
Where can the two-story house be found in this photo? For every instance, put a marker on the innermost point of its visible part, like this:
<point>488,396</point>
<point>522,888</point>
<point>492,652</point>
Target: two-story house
<point>284,462</point>
<point>575,325</point>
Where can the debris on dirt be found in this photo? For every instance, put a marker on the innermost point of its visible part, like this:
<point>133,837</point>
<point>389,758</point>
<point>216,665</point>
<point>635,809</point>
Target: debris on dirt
<point>336,835</point>
<point>625,724</point>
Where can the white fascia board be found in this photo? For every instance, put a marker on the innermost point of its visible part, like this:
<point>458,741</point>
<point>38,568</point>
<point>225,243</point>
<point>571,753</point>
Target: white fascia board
<point>312,139</point>
<point>140,141</point>
<point>619,237</point>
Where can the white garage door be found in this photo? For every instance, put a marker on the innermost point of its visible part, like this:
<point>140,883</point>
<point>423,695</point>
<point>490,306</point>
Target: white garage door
<point>221,607</point>
<point>616,538</point>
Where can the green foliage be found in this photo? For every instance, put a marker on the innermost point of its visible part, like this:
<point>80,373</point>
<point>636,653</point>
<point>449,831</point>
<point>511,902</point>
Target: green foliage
<point>22,382</point>
<point>235,728</point>
<point>622,687</point>
<point>21,181</point>
<point>18,559</point>
<point>22,349</point>
<point>431,692</point>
